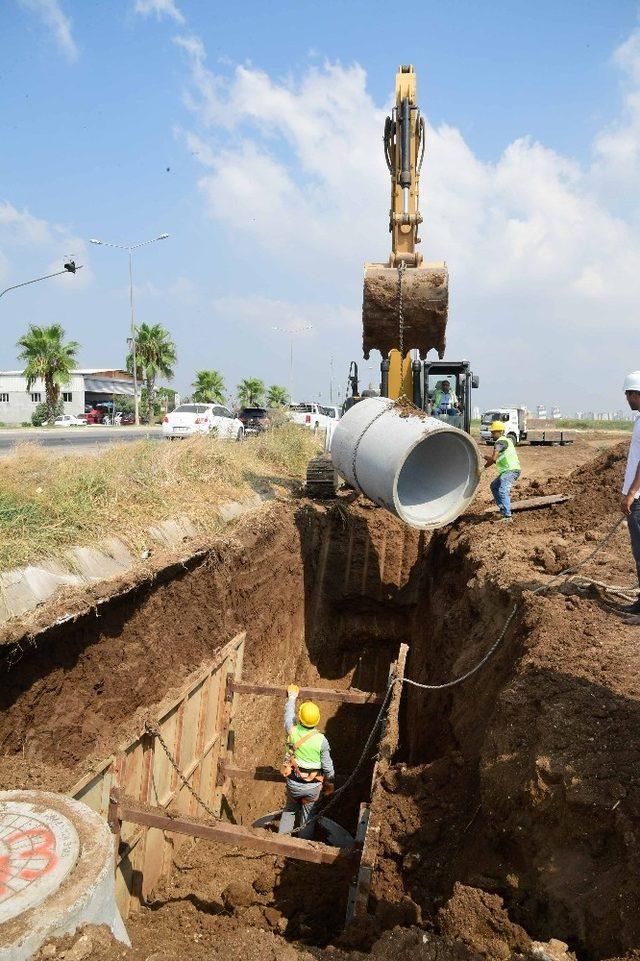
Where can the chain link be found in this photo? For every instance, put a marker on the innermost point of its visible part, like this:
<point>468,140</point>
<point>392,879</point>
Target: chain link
<point>401,269</point>
<point>154,731</point>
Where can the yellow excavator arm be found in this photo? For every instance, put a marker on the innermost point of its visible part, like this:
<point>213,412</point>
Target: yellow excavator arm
<point>405,301</point>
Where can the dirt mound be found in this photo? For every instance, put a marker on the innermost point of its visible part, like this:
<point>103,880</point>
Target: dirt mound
<point>524,782</point>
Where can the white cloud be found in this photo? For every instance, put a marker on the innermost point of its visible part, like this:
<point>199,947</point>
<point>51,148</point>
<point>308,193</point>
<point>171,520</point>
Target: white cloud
<point>160,8</point>
<point>52,15</point>
<point>265,313</point>
<point>541,248</point>
<point>31,247</point>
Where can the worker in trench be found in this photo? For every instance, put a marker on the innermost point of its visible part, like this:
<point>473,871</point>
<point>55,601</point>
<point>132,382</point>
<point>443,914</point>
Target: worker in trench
<point>630,503</point>
<point>308,768</point>
<point>506,459</point>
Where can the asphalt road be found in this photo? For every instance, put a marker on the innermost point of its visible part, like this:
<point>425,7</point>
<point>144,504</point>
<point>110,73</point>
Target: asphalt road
<point>76,439</point>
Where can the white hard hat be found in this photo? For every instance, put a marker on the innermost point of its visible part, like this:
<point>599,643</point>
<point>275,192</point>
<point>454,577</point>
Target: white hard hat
<point>632,381</point>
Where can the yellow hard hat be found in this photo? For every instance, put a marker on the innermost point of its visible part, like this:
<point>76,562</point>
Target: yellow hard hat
<point>309,714</point>
<point>497,425</point>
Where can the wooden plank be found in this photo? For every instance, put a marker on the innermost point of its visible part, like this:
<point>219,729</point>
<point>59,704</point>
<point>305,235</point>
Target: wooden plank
<point>315,693</point>
<point>532,503</point>
<point>233,834</point>
<point>250,774</point>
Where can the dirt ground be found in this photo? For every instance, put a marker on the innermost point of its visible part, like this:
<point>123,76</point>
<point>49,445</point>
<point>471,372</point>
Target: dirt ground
<point>511,817</point>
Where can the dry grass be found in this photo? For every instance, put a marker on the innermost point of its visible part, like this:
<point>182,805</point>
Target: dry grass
<point>49,502</point>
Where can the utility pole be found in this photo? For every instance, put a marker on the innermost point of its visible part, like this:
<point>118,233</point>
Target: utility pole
<point>132,339</point>
<point>331,382</point>
<point>291,332</point>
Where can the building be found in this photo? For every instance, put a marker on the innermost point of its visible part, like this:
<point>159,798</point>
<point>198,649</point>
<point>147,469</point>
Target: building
<point>86,388</point>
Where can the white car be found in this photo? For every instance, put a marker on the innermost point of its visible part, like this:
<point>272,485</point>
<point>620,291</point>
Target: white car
<point>188,419</point>
<point>69,420</point>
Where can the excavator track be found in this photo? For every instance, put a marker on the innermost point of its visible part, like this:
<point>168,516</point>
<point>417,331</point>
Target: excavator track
<point>322,478</point>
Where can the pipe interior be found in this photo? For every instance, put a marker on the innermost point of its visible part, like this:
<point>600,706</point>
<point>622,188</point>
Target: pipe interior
<point>436,479</point>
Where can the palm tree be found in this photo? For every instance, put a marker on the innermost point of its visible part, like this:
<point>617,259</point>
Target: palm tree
<point>155,354</point>
<point>277,396</point>
<point>250,391</point>
<point>209,387</point>
<point>48,358</point>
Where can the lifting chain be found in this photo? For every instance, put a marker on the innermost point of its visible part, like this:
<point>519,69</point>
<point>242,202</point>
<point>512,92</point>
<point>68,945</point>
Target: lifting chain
<point>401,269</point>
<point>154,731</point>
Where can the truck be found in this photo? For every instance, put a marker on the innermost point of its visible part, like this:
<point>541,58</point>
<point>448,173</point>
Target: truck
<point>513,418</point>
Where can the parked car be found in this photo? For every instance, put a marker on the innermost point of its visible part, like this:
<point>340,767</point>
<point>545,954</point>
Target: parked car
<point>254,419</point>
<point>308,415</point>
<point>189,419</point>
<point>127,418</point>
<point>94,416</point>
<point>69,420</point>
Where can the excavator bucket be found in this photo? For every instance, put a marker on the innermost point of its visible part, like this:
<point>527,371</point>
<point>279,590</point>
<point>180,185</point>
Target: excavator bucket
<point>405,311</point>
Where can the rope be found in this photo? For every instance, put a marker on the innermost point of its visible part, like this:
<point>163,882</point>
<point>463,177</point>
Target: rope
<point>153,730</point>
<point>538,590</point>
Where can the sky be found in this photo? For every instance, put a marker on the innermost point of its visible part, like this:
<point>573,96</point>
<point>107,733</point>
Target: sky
<point>251,134</point>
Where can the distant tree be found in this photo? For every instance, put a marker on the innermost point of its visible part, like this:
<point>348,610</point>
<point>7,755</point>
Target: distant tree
<point>47,357</point>
<point>155,355</point>
<point>208,387</point>
<point>277,396</point>
<point>251,391</point>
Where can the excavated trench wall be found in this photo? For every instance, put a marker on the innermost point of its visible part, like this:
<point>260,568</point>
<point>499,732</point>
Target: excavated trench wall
<point>507,783</point>
<point>324,597</point>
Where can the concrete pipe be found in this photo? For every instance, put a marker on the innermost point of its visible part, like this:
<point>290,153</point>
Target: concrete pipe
<point>56,871</point>
<point>419,468</point>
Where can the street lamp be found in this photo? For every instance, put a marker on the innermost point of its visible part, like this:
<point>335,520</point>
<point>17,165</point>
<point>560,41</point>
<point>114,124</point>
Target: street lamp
<point>292,331</point>
<point>69,268</point>
<point>129,248</point>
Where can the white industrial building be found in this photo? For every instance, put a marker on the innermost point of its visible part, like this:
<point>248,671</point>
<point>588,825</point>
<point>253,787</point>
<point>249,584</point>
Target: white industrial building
<point>85,389</point>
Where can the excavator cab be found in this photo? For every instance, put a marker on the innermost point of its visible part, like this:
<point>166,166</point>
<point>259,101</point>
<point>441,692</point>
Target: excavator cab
<point>454,407</point>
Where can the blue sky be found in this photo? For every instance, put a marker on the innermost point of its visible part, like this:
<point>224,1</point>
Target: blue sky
<point>252,136</point>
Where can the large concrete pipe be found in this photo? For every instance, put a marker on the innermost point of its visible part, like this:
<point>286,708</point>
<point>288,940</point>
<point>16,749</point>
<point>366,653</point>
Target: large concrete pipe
<point>419,468</point>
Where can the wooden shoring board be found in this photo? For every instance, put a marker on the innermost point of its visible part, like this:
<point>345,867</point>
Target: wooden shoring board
<point>230,707</point>
<point>370,828</point>
<point>234,834</point>
<point>314,693</point>
<point>190,722</point>
<point>532,503</point>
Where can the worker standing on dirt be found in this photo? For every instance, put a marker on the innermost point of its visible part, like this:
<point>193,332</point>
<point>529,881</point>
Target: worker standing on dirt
<point>630,503</point>
<point>307,767</point>
<point>506,459</point>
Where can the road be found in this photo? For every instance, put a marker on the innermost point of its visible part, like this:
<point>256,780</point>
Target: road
<point>76,439</point>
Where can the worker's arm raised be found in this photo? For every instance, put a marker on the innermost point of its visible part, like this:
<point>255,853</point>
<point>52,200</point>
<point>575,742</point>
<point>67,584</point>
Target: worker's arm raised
<point>290,707</point>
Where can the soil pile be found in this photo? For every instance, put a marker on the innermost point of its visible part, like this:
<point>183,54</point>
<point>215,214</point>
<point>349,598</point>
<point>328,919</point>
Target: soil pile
<point>525,781</point>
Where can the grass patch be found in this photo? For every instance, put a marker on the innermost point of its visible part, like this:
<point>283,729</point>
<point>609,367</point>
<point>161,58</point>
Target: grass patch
<point>49,502</point>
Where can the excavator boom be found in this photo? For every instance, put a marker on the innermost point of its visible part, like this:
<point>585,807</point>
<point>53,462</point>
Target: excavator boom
<point>405,301</point>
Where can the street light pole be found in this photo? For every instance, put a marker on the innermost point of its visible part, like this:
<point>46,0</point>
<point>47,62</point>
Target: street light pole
<point>292,331</point>
<point>129,248</point>
<point>69,268</point>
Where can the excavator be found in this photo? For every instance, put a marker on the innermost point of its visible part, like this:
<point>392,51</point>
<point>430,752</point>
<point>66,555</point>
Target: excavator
<point>405,300</point>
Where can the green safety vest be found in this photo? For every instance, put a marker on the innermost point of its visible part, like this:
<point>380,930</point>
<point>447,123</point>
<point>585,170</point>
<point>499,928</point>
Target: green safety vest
<point>508,459</point>
<point>308,756</point>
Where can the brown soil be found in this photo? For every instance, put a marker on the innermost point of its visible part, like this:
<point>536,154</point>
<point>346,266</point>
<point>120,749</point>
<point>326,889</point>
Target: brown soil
<point>513,812</point>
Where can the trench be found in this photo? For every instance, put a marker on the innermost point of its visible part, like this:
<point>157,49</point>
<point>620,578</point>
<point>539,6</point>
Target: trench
<point>325,595</point>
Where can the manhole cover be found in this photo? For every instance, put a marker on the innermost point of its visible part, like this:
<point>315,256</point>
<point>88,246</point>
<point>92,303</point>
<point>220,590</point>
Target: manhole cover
<point>38,849</point>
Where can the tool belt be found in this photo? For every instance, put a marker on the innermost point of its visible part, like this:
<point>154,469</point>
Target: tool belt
<point>291,768</point>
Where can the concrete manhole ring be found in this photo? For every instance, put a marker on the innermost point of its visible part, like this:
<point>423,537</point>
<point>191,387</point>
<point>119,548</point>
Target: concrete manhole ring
<point>38,850</point>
